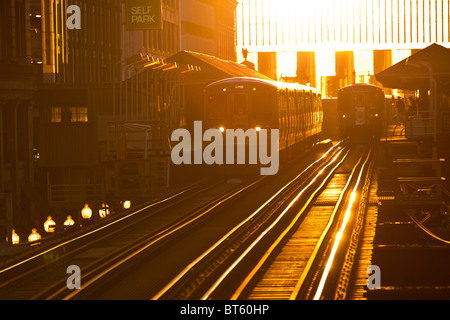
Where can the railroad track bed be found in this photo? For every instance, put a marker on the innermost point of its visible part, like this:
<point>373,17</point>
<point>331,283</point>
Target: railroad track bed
<point>299,243</point>
<point>295,267</point>
<point>291,232</point>
<point>275,282</point>
<point>108,254</point>
<point>43,273</point>
<point>184,266</point>
<point>203,276</point>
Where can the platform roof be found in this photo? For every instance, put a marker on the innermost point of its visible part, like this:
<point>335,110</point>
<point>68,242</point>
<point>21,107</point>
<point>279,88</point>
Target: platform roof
<point>413,72</point>
<point>213,67</point>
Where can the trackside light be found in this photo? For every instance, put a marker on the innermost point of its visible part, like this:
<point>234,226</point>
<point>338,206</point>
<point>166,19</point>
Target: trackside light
<point>104,211</point>
<point>344,116</point>
<point>127,204</point>
<point>49,225</point>
<point>222,129</point>
<point>15,239</point>
<point>86,213</point>
<point>258,129</point>
<point>34,236</point>
<point>69,222</point>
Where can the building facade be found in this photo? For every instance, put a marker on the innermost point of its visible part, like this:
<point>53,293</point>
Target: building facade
<point>208,26</point>
<point>346,41</point>
<point>18,75</point>
<point>77,103</point>
<point>74,94</point>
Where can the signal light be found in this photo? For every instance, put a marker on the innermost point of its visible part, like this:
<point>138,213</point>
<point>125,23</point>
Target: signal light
<point>86,213</point>
<point>104,211</point>
<point>69,222</point>
<point>126,204</point>
<point>34,236</point>
<point>15,237</point>
<point>49,225</point>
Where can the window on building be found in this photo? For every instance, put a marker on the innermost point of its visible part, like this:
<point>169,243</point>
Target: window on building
<point>78,114</point>
<point>69,115</point>
<point>56,115</point>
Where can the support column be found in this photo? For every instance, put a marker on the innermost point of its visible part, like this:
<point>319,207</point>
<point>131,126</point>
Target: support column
<point>267,64</point>
<point>345,67</point>
<point>306,68</point>
<point>382,59</point>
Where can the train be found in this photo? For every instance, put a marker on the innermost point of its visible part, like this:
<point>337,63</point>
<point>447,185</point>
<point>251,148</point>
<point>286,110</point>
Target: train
<point>251,103</point>
<point>361,111</point>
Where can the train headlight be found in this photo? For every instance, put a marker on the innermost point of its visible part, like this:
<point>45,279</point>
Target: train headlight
<point>344,116</point>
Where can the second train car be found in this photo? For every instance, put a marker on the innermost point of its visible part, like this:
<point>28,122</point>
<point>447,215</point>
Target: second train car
<point>251,103</point>
<point>361,111</point>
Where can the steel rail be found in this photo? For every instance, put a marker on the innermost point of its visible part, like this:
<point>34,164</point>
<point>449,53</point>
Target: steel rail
<point>166,203</point>
<point>272,226</point>
<point>141,247</point>
<point>343,227</point>
<point>150,240</point>
<point>237,230</point>
<point>275,247</point>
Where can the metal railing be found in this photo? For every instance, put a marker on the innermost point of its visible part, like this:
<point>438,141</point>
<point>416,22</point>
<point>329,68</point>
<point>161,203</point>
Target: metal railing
<point>420,125</point>
<point>137,140</point>
<point>75,194</point>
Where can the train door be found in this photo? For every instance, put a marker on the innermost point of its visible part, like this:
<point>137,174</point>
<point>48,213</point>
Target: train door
<point>240,110</point>
<point>360,105</point>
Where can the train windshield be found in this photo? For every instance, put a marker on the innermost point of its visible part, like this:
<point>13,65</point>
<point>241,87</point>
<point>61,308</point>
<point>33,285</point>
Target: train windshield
<point>217,107</point>
<point>262,105</point>
<point>240,105</point>
<point>360,100</point>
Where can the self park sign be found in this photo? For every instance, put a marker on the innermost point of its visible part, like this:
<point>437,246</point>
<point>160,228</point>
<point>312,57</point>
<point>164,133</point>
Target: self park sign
<point>144,15</point>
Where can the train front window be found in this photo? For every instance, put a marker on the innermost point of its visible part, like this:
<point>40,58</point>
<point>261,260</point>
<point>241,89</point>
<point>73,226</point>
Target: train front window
<point>240,105</point>
<point>217,107</point>
<point>360,100</point>
<point>262,106</point>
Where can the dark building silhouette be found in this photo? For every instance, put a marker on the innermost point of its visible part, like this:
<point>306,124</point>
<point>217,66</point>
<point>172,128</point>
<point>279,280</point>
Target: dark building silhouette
<point>74,102</point>
<point>18,74</point>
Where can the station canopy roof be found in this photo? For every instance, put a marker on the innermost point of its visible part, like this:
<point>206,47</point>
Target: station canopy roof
<point>413,72</point>
<point>213,67</point>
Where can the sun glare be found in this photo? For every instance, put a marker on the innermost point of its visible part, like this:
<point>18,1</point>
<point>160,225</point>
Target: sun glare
<point>328,26</point>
